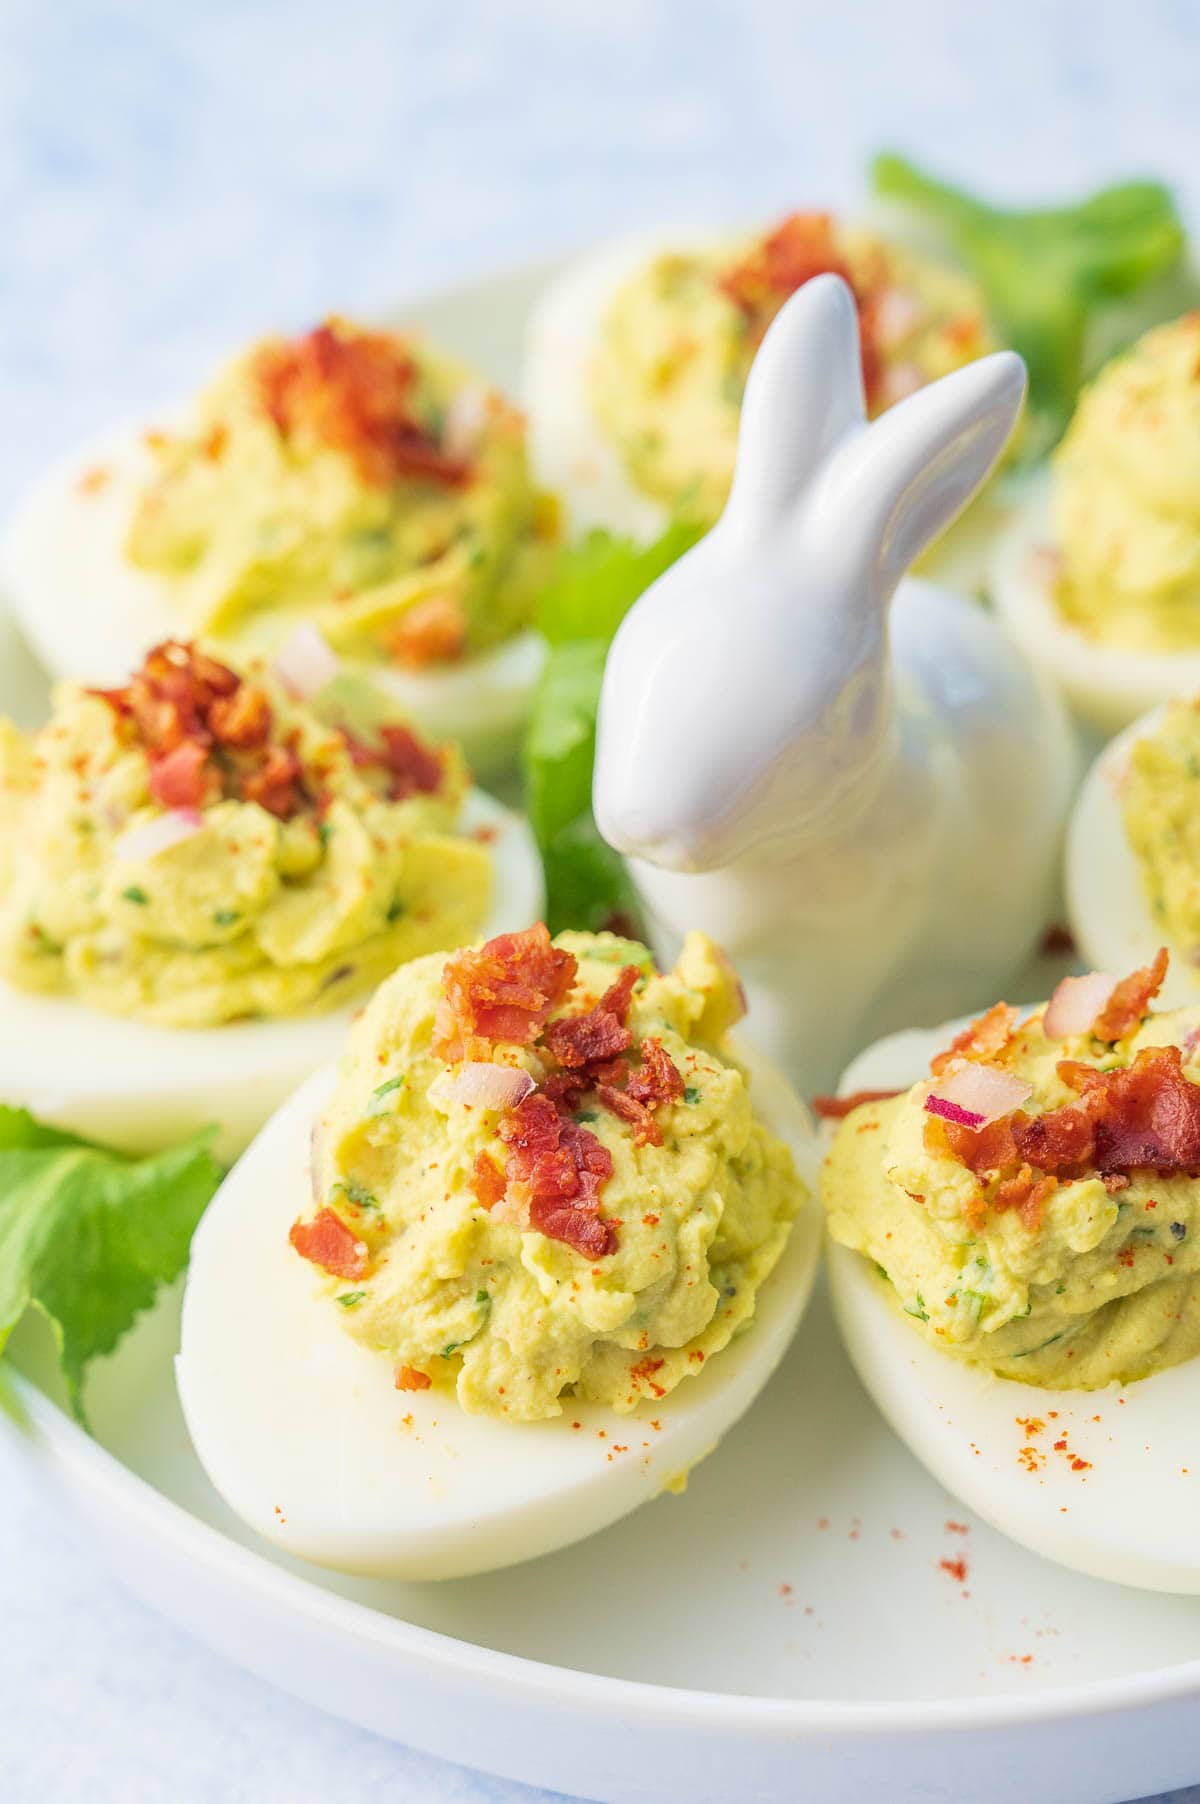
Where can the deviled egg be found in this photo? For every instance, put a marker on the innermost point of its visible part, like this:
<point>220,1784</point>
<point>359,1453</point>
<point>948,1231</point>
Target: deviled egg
<point>510,1271</point>
<point>194,870</point>
<point>637,356</point>
<point>1098,576</point>
<point>351,479</point>
<point>1028,1210</point>
<point>1133,850</point>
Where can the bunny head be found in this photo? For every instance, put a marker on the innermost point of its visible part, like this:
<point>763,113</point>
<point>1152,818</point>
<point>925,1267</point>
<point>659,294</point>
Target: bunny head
<point>747,695</point>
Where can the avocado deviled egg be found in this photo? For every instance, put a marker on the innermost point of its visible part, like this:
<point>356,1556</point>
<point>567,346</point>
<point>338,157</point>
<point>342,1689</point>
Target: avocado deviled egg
<point>638,354</point>
<point>1133,850</point>
<point>199,880</point>
<point>1019,1200</point>
<point>350,479</point>
<point>1098,577</point>
<point>510,1270</point>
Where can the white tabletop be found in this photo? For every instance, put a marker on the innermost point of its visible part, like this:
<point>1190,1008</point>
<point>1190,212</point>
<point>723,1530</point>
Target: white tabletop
<point>176,178</point>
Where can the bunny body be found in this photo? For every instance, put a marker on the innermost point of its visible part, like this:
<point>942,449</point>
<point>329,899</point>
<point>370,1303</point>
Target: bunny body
<point>863,803</point>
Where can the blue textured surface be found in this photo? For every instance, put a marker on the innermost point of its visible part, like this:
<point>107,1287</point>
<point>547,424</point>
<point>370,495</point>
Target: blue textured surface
<point>174,178</point>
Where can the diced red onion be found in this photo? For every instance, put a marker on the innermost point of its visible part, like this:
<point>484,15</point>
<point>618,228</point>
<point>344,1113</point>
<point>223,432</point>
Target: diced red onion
<point>1076,1003</point>
<point>304,664</point>
<point>159,835</point>
<point>976,1094</point>
<point>482,1086</point>
<point>466,417</point>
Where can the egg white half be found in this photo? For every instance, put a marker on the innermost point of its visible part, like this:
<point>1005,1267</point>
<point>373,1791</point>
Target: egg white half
<point>1107,686</point>
<point>1106,903</point>
<point>91,615</point>
<point>137,1085</point>
<point>1129,1516</point>
<point>302,1432</point>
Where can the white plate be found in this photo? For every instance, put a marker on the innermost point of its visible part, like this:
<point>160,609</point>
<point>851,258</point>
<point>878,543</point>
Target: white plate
<point>784,1630</point>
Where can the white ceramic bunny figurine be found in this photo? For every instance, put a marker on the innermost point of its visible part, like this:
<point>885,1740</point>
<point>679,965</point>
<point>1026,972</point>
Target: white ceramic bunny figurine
<point>866,813</point>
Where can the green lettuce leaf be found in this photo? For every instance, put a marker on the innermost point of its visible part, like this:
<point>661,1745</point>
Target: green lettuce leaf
<point>87,1235</point>
<point>597,583</point>
<point>1049,274</point>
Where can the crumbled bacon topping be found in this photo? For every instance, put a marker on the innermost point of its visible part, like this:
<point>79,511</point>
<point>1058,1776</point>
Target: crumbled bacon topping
<point>408,1378</point>
<point>1130,1001</point>
<point>354,391</point>
<point>432,632</point>
<point>328,1242</point>
<point>836,1108</point>
<point>562,1167</point>
<point>802,246</point>
<point>487,1181</point>
<point>656,1078</point>
<point>1139,1117</point>
<point>985,1039</point>
<point>505,991</point>
<point>206,733</point>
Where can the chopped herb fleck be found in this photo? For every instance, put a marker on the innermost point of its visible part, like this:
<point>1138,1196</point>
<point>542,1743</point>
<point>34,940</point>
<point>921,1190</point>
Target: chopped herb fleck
<point>225,917</point>
<point>348,1298</point>
<point>324,832</point>
<point>690,1093</point>
<point>585,1115</point>
<point>484,1298</point>
<point>882,1273</point>
<point>918,1309</point>
<point>386,1088</point>
<point>134,894</point>
<point>1040,1345</point>
<point>357,1193</point>
<point>396,908</point>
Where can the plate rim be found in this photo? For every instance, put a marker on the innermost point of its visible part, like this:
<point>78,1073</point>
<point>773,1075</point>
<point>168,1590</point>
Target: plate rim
<point>97,1470</point>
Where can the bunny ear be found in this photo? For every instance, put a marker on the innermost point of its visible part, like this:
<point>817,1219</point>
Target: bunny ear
<point>897,485</point>
<point>803,396</point>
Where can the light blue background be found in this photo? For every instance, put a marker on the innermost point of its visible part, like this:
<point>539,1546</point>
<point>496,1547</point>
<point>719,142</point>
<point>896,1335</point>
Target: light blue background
<point>174,178</point>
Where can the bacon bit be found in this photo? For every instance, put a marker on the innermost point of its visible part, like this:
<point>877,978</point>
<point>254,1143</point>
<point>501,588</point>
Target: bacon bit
<point>505,991</point>
<point>1031,1459</point>
<point>657,1077</point>
<point>487,1181</point>
<point>433,631</point>
<point>564,1168</point>
<point>353,391</point>
<point>619,994</point>
<point>646,1131</point>
<point>328,1242</point>
<point>408,1378</point>
<point>183,704</point>
<point>1130,1001</point>
<point>956,1568</point>
<point>1027,1195</point>
<point>241,718</point>
<point>958,1528</point>
<point>275,785</point>
<point>180,778</point>
<point>802,246</point>
<point>415,768</point>
<point>1030,1425</point>
<point>836,1108</point>
<point>92,481</point>
<point>985,1039</point>
<point>578,1041</point>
